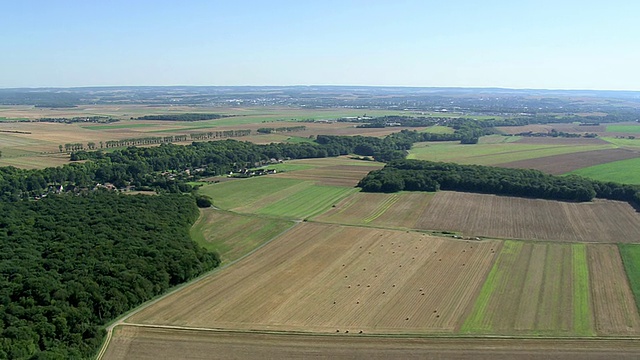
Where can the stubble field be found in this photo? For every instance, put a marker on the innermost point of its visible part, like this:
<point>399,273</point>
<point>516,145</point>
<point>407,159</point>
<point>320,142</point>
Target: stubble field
<point>328,279</point>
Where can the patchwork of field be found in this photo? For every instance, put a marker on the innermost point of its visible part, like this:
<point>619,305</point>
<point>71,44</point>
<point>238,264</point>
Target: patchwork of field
<point>233,235</point>
<point>601,221</point>
<point>132,342</point>
<point>494,153</point>
<point>561,164</point>
<point>623,171</point>
<point>328,278</point>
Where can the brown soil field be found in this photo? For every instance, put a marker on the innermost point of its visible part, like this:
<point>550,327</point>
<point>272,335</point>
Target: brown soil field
<point>328,279</point>
<point>132,342</point>
<point>564,163</point>
<point>336,175</point>
<point>385,210</point>
<point>613,302</point>
<point>519,218</point>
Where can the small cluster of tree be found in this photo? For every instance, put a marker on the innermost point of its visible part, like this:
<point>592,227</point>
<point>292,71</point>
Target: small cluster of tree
<point>416,175</point>
<point>182,117</point>
<point>72,147</point>
<point>270,130</point>
<point>92,119</point>
<point>70,264</point>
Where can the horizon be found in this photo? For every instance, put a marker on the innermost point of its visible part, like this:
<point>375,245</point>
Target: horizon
<point>460,44</point>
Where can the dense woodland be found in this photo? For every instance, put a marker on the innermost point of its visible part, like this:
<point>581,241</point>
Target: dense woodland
<point>417,175</point>
<point>69,264</point>
<point>182,117</point>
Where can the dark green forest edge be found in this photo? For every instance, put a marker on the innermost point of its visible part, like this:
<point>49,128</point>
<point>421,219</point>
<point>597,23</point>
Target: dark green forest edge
<point>418,175</point>
<point>70,264</point>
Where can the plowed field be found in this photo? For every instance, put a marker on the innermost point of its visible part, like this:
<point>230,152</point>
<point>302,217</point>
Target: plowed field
<point>560,164</point>
<point>327,278</point>
<point>519,218</point>
<point>148,343</point>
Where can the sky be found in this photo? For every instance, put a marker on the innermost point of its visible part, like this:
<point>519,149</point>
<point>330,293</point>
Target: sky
<point>561,44</point>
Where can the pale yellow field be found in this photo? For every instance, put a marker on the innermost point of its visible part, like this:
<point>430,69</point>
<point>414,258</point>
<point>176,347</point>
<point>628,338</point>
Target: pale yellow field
<point>328,278</point>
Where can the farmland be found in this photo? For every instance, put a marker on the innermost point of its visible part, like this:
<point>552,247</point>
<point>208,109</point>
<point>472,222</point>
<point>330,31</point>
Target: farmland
<point>629,129</point>
<point>233,235</point>
<point>520,218</point>
<point>328,278</point>
<point>151,343</point>
<point>606,165</point>
<point>494,153</point>
<point>531,290</point>
<point>622,171</point>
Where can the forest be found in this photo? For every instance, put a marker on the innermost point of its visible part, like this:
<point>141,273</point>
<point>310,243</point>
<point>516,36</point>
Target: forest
<point>417,175</point>
<point>182,117</point>
<point>70,264</point>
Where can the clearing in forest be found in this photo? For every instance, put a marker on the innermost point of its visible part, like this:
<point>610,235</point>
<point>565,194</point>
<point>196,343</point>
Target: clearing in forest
<point>329,278</point>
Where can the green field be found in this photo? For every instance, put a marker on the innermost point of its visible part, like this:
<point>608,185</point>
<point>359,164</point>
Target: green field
<point>241,192</point>
<point>631,259</point>
<point>234,235</point>
<point>491,153</point>
<point>438,129</point>
<point>631,129</point>
<point>623,142</point>
<point>307,202</point>
<point>623,171</point>
<point>127,125</point>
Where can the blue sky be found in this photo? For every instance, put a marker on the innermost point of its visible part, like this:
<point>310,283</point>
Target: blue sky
<point>515,44</point>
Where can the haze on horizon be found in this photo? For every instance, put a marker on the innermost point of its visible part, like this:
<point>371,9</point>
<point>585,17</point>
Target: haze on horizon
<point>562,44</point>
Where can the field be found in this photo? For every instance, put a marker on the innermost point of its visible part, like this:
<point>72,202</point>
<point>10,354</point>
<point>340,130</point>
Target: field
<point>613,302</point>
<point>629,129</point>
<point>374,209</point>
<point>519,218</point>
<point>493,153</point>
<point>535,288</point>
<point>631,259</point>
<point>233,235</point>
<point>329,278</point>
<point>153,343</point>
<point>597,164</point>
<point>623,171</point>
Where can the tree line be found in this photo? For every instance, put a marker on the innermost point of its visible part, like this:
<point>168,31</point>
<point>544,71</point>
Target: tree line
<point>417,175</point>
<point>270,130</point>
<point>70,264</point>
<point>182,117</point>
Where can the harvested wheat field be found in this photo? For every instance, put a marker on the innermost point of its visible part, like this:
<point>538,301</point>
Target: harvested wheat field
<point>131,342</point>
<point>335,175</point>
<point>328,278</point>
<point>600,221</point>
<point>399,210</point>
<point>613,302</point>
<point>535,288</point>
<point>564,163</point>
